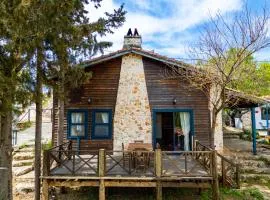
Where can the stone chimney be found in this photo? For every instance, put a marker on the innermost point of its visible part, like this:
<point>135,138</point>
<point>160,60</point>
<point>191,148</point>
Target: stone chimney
<point>132,39</point>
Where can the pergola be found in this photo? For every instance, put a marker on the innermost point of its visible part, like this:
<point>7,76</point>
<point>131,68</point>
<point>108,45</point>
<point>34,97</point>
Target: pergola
<point>237,99</point>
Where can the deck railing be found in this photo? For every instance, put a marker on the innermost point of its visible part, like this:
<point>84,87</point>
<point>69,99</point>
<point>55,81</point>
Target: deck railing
<point>229,172</point>
<point>200,163</point>
<point>187,163</point>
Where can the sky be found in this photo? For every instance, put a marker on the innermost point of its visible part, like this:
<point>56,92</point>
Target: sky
<point>169,26</point>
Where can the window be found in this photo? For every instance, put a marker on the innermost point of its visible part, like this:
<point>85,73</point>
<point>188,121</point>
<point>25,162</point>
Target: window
<point>264,113</point>
<point>77,124</point>
<point>102,124</point>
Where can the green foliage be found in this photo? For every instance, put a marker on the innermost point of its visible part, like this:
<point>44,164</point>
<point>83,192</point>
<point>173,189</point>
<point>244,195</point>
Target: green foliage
<point>250,78</point>
<point>227,194</point>
<point>247,134</point>
<point>24,145</point>
<point>24,125</point>
<point>47,146</point>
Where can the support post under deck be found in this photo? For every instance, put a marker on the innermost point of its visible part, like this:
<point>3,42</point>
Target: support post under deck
<point>215,186</point>
<point>158,162</point>
<point>101,173</point>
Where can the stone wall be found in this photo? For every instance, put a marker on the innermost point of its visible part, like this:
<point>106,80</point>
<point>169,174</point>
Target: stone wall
<point>218,136</point>
<point>132,118</point>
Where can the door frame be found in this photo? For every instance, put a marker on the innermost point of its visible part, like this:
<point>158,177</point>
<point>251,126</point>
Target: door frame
<point>172,110</point>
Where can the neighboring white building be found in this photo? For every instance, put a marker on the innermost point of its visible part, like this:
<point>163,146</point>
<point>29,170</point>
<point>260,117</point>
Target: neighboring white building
<point>262,115</point>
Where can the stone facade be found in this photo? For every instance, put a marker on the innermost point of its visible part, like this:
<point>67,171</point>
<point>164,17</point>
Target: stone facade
<point>218,136</point>
<point>132,41</point>
<point>132,117</point>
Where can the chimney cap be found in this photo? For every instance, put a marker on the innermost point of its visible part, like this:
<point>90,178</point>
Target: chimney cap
<point>132,39</point>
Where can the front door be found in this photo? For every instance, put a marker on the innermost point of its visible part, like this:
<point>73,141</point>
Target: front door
<point>173,130</point>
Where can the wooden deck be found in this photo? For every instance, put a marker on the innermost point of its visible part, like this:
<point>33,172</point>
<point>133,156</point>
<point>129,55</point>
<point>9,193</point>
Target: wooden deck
<point>63,166</point>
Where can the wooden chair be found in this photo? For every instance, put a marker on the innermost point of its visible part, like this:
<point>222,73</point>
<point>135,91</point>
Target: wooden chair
<point>141,159</point>
<point>126,157</point>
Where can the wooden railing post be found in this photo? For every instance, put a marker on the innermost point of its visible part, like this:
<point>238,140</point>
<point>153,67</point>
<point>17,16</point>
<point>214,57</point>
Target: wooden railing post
<point>46,163</point>
<point>215,185</point>
<point>237,176</point>
<point>158,173</point>
<point>195,145</point>
<point>223,172</point>
<point>46,172</point>
<point>101,173</point>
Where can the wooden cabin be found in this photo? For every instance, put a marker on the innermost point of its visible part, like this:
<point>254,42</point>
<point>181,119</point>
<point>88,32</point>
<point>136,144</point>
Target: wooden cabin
<point>130,98</point>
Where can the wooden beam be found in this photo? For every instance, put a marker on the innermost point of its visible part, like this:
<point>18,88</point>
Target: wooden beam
<point>215,184</point>
<point>158,162</point>
<point>130,184</point>
<point>102,190</point>
<point>159,190</point>
<point>186,185</point>
<point>74,183</point>
<point>45,190</point>
<point>101,162</point>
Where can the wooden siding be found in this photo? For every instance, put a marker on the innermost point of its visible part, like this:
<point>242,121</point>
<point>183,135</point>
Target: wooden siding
<point>162,91</point>
<point>102,89</point>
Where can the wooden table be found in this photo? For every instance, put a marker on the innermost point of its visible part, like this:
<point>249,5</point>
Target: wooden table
<point>139,155</point>
<point>134,146</point>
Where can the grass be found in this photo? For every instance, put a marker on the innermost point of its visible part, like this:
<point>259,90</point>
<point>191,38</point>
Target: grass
<point>233,194</point>
<point>24,145</point>
<point>265,160</point>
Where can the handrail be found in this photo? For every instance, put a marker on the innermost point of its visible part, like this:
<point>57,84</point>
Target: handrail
<point>227,160</point>
<point>60,145</point>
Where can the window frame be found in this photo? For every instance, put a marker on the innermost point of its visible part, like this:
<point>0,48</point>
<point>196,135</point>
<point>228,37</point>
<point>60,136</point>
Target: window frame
<point>94,124</point>
<point>85,123</point>
<point>263,114</point>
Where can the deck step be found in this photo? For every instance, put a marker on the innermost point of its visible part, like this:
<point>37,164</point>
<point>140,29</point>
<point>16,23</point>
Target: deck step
<point>23,156</point>
<point>21,163</point>
<point>255,177</point>
<point>252,170</point>
<point>19,171</point>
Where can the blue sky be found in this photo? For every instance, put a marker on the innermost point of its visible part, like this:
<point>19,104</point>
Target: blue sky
<point>169,26</point>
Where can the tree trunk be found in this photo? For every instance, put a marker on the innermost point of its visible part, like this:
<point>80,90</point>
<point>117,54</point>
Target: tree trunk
<point>213,127</point>
<point>61,106</point>
<point>6,156</point>
<point>38,125</point>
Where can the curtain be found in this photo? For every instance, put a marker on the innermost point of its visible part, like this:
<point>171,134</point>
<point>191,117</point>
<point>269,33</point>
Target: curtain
<point>185,124</point>
<point>77,130</point>
<point>77,118</point>
<point>105,117</point>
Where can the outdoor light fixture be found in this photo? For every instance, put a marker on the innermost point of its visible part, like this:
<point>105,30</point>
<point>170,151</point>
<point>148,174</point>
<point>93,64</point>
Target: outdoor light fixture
<point>174,101</point>
<point>89,100</point>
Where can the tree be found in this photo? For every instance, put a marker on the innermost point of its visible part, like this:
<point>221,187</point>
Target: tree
<point>229,46</point>
<point>72,35</point>
<point>14,82</point>
<point>28,33</point>
<point>245,33</point>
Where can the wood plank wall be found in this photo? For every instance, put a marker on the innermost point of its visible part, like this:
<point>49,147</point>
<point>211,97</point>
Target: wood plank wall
<point>162,91</point>
<point>102,89</point>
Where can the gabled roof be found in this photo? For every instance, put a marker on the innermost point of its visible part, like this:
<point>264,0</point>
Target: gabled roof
<point>138,51</point>
<point>242,98</point>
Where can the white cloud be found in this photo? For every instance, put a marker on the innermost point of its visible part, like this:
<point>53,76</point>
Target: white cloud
<point>160,29</point>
